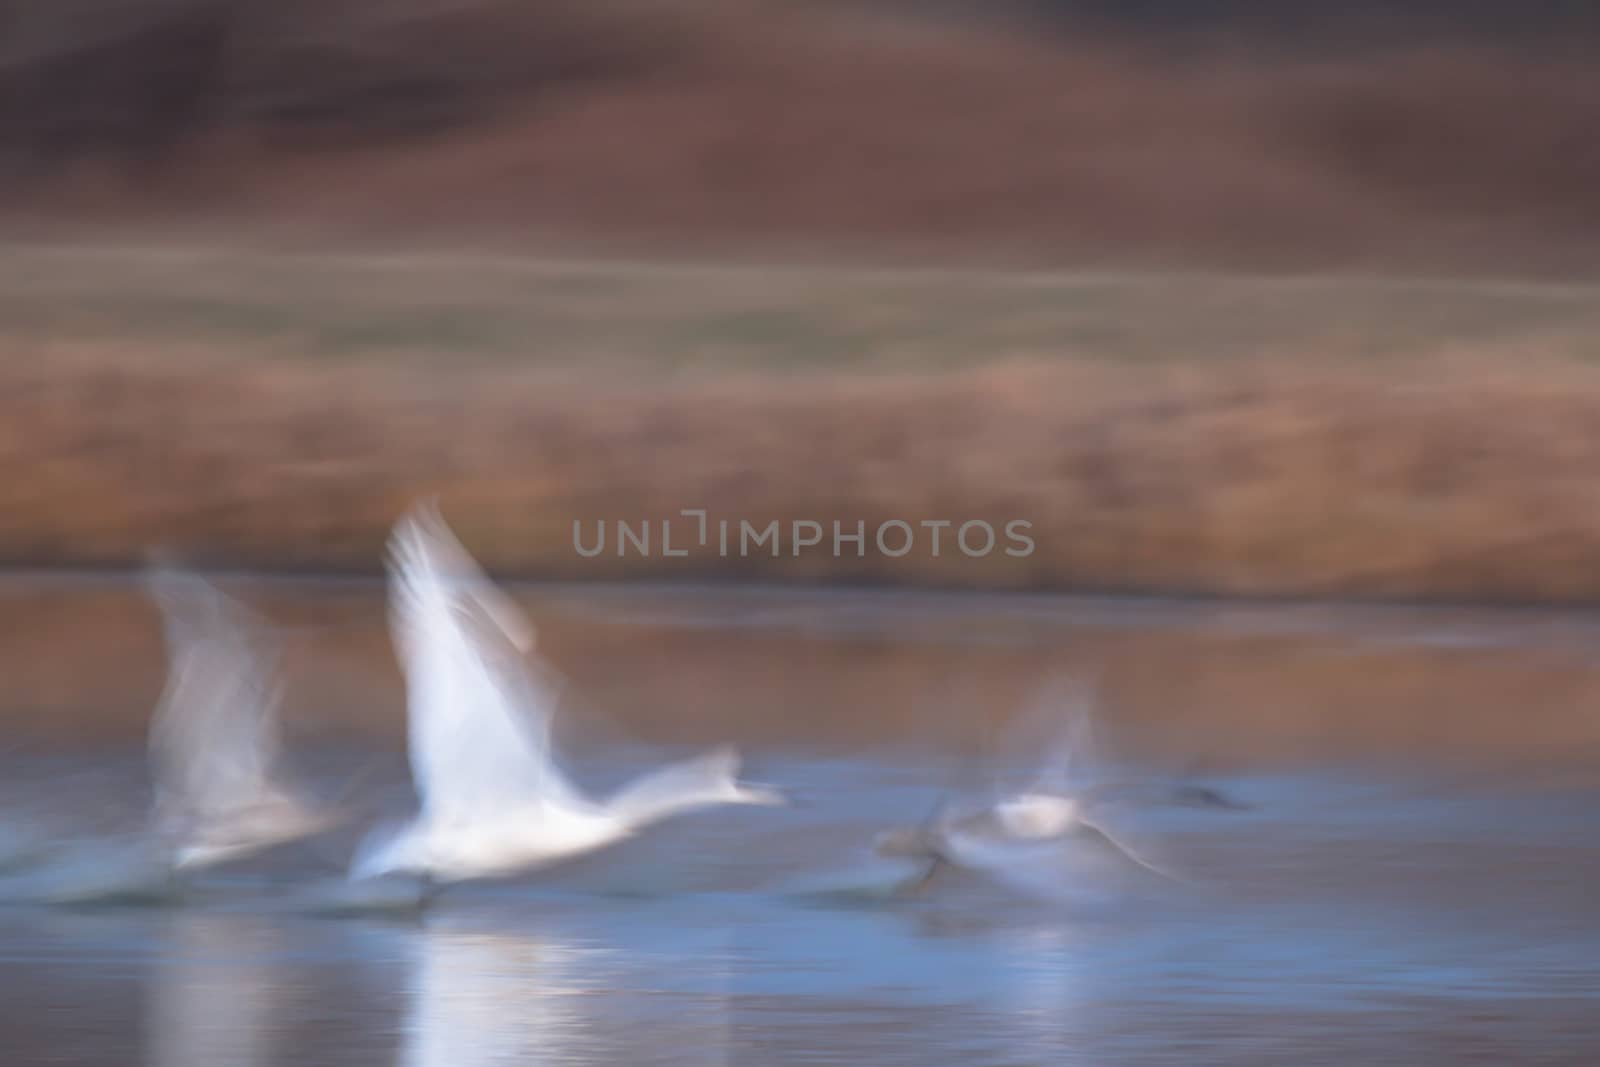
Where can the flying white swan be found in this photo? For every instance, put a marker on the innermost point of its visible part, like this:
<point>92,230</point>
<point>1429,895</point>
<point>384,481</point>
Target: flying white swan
<point>214,744</point>
<point>493,800</point>
<point>213,758</point>
<point>1047,837</point>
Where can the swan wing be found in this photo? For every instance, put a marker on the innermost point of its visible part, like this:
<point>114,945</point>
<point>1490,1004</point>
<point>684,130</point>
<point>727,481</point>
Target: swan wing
<point>1073,759</point>
<point>1114,843</point>
<point>1081,863</point>
<point>214,740</point>
<point>480,718</point>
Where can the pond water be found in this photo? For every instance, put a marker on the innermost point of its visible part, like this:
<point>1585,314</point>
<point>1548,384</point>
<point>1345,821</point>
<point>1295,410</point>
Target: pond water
<point>1409,878</point>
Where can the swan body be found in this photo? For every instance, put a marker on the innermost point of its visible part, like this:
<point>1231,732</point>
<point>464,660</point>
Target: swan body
<point>1033,816</point>
<point>1048,836</point>
<point>493,799</point>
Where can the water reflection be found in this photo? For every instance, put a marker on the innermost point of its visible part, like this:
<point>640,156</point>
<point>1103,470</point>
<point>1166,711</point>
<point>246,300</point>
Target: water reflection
<point>1047,994</point>
<point>263,990</point>
<point>217,996</point>
<point>481,997</point>
<point>1183,685</point>
<point>484,995</point>
<point>1344,901</point>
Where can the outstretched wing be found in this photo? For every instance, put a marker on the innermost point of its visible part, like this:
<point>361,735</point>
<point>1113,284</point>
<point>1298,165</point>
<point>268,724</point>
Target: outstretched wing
<point>1082,862</point>
<point>1060,722</point>
<point>1139,855</point>
<point>1056,735</point>
<point>479,718</point>
<point>214,737</point>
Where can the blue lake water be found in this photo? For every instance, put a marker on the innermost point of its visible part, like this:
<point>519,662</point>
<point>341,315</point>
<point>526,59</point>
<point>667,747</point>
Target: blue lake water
<point>1412,880</point>
<point>1341,919</point>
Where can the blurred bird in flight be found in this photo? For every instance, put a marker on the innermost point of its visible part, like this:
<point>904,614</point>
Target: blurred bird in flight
<point>493,799</point>
<point>1049,836</point>
<point>214,739</point>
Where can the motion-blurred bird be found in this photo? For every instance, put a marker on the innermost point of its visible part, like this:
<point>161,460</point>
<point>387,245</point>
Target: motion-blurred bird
<point>493,799</point>
<point>1048,837</point>
<point>214,755</point>
<point>214,738</point>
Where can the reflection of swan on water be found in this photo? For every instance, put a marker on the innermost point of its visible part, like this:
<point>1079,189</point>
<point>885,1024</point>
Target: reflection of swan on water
<point>482,997</point>
<point>1046,990</point>
<point>215,995</point>
<point>493,995</point>
<point>493,799</point>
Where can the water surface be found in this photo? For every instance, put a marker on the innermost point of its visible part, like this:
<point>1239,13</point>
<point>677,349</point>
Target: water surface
<point>1397,891</point>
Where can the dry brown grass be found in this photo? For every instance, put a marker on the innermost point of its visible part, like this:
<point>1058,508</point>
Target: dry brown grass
<point>1448,480</point>
<point>1310,437</point>
<point>1162,433</point>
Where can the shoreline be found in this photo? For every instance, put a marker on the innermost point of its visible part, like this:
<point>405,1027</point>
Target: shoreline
<point>1100,604</point>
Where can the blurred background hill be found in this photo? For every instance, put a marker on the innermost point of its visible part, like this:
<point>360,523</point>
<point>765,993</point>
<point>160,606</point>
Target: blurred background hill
<point>1402,134</point>
<point>1225,296</point>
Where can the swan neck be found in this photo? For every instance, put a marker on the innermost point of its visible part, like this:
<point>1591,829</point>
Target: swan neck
<point>656,806</point>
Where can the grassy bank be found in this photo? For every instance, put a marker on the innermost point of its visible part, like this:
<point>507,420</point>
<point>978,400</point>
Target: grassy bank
<point>1162,433</point>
